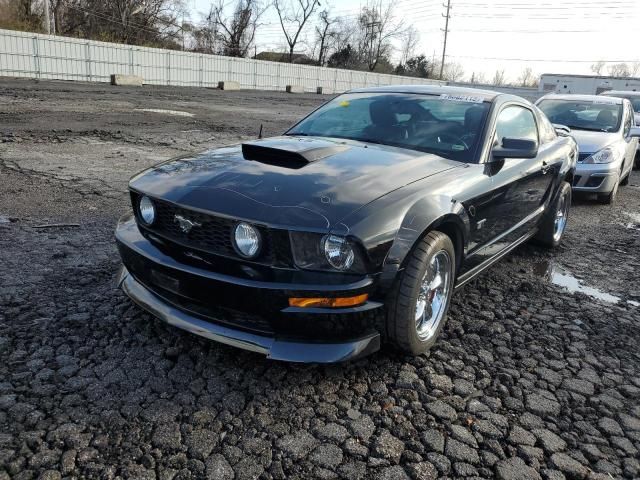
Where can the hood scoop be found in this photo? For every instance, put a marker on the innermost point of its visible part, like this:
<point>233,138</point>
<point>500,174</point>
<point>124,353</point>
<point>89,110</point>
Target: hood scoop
<point>290,152</point>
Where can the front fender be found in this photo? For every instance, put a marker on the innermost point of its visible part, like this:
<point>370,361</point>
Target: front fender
<point>390,227</point>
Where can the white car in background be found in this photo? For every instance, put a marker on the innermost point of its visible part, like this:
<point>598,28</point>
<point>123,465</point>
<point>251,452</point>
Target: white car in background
<point>634,98</point>
<point>607,137</point>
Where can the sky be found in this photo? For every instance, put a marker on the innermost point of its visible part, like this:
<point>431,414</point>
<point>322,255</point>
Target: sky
<point>550,36</point>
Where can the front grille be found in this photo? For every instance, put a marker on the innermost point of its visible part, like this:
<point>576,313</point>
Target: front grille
<point>212,234</point>
<point>583,156</point>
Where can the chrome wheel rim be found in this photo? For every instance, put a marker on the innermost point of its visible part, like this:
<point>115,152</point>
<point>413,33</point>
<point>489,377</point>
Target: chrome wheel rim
<point>561,218</point>
<point>433,296</point>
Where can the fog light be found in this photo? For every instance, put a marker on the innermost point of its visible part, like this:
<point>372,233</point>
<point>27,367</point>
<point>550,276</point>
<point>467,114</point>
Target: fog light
<point>147,210</point>
<point>247,240</point>
<point>321,302</point>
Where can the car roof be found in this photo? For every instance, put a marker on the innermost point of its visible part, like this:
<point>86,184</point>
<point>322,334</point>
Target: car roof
<point>486,95</point>
<point>580,98</point>
<point>620,93</point>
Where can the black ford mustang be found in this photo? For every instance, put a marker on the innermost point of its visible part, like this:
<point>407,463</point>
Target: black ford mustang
<point>352,228</point>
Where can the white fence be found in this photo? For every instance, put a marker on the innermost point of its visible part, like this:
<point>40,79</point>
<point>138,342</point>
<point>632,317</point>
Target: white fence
<point>62,58</point>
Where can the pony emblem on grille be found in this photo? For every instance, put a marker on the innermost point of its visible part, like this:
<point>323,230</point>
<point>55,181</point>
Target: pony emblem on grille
<point>185,224</point>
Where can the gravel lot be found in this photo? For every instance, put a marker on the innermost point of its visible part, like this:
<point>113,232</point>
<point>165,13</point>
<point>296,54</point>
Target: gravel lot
<point>529,380</point>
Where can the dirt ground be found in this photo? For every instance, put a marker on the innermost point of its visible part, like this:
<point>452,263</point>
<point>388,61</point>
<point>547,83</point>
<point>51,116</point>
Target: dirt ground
<point>530,379</point>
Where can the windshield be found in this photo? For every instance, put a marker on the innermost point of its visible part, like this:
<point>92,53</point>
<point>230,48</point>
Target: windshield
<point>600,115</point>
<point>446,125</point>
<point>635,100</point>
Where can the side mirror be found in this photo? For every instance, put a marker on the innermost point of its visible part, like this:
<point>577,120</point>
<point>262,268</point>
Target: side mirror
<point>635,132</point>
<point>562,130</point>
<point>515,148</point>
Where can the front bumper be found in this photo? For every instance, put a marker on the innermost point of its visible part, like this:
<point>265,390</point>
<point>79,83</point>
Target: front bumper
<point>596,178</point>
<point>249,314</point>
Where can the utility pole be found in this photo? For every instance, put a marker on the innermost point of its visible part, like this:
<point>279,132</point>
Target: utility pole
<point>446,32</point>
<point>47,19</point>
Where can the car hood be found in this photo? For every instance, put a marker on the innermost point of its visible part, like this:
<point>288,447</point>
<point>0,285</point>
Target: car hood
<point>315,192</point>
<point>591,142</point>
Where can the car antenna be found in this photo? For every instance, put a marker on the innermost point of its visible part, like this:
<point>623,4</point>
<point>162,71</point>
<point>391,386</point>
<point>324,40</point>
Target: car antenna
<point>260,132</point>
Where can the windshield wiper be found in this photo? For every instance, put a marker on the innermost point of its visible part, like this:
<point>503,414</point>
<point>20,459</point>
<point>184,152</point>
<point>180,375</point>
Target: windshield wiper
<point>588,129</point>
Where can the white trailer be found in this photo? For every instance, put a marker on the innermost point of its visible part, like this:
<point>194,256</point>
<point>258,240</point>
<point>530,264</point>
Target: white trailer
<point>586,84</point>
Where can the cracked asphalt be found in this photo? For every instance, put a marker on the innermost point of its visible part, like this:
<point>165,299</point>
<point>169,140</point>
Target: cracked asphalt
<point>528,380</point>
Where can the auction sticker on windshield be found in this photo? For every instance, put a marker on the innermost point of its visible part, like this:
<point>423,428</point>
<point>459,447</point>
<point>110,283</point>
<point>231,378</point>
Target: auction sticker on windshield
<point>461,98</point>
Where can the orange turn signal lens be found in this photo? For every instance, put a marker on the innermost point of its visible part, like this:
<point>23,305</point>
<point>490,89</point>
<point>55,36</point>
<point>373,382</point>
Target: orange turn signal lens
<point>329,302</point>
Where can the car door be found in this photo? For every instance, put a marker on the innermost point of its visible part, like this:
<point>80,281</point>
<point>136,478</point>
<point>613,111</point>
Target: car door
<point>631,143</point>
<point>517,188</point>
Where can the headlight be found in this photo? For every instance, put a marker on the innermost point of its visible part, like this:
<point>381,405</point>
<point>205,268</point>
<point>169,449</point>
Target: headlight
<point>147,210</point>
<point>247,240</point>
<point>606,155</point>
<point>315,251</point>
<point>338,251</point>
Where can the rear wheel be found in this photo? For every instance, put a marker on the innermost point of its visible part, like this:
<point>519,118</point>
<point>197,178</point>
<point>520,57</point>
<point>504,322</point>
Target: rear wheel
<point>554,222</point>
<point>419,302</point>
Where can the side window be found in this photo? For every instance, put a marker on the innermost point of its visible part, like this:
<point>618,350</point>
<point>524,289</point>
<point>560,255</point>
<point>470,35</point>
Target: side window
<point>547,132</point>
<point>516,122</point>
<point>628,119</point>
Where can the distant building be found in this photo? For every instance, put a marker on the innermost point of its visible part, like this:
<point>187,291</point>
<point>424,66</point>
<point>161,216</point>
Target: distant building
<point>586,84</point>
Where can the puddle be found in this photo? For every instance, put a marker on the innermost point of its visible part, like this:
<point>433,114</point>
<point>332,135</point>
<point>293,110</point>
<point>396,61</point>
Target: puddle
<point>635,225</point>
<point>634,216</point>
<point>177,113</point>
<point>563,278</point>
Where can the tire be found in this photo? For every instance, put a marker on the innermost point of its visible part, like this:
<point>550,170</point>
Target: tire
<point>434,252</point>
<point>625,181</point>
<point>553,225</point>
<point>608,198</point>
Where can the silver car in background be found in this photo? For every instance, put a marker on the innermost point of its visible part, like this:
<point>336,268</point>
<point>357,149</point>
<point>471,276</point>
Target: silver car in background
<point>634,98</point>
<point>607,137</point>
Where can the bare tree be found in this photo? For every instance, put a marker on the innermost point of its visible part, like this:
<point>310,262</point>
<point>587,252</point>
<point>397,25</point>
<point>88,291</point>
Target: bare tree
<point>498,78</point>
<point>293,16</point>
<point>377,28</point>
<point>478,78</point>
<point>236,32</point>
<point>634,68</point>
<point>409,43</point>
<point>327,32</point>
<point>598,67</point>
<point>527,78</point>
<point>21,15</point>
<point>619,70</point>
<point>140,22</point>
<point>453,72</point>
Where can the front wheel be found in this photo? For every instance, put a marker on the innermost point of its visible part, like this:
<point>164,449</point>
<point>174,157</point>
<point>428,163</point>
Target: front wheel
<point>555,220</point>
<point>419,302</point>
<point>625,181</point>
<point>609,198</point>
